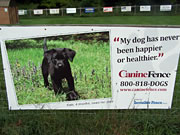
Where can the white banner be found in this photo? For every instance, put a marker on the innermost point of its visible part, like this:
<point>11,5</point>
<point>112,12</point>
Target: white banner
<point>70,10</point>
<point>108,9</point>
<point>165,7</point>
<point>38,12</point>
<point>145,8</point>
<point>125,8</point>
<point>54,11</point>
<point>144,62</point>
<point>21,12</point>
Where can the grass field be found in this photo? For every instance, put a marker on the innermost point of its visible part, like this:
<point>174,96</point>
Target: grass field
<point>90,68</point>
<point>138,20</point>
<point>99,122</point>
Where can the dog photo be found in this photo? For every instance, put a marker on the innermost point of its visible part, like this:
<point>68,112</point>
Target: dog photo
<point>61,68</point>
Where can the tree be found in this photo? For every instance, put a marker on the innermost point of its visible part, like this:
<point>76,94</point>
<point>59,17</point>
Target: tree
<point>93,3</point>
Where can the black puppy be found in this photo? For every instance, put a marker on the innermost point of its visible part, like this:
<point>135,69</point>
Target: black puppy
<point>55,63</point>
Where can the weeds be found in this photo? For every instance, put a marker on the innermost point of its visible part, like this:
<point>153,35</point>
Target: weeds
<point>91,70</point>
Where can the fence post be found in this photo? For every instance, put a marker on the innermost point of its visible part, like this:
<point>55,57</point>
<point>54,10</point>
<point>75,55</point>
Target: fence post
<point>46,11</point>
<point>176,9</point>
<point>98,10</point>
<point>30,12</point>
<point>134,9</point>
<point>80,11</point>
<point>118,10</point>
<point>61,11</point>
<point>155,9</point>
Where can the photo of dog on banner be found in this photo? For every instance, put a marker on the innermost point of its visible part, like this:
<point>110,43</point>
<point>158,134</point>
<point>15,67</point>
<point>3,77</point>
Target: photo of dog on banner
<point>61,68</point>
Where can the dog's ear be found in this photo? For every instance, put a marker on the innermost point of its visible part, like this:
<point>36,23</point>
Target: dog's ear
<point>69,53</point>
<point>48,54</point>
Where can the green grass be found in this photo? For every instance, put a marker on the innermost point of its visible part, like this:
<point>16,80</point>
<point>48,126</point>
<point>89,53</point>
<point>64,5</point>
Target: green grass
<point>90,68</point>
<point>138,20</point>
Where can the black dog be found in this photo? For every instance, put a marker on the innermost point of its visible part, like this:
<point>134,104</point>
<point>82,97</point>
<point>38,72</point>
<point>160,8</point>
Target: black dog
<point>55,63</point>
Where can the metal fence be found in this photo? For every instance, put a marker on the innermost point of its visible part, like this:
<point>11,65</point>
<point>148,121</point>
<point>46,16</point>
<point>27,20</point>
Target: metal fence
<point>99,11</point>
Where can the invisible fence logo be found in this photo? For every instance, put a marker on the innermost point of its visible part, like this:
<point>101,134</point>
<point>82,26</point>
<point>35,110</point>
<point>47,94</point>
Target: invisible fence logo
<point>138,101</point>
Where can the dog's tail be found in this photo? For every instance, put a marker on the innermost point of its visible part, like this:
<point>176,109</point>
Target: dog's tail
<point>45,45</point>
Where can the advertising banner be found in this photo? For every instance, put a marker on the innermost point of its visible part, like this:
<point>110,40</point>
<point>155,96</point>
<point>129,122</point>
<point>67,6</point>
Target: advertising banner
<point>125,8</point>
<point>165,7</point>
<point>145,8</point>
<point>38,12</point>
<point>70,10</point>
<point>54,11</point>
<point>104,68</point>
<point>108,9</point>
<point>89,10</point>
<point>22,12</point>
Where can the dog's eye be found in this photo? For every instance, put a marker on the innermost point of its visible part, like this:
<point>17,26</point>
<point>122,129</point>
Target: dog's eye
<point>54,60</point>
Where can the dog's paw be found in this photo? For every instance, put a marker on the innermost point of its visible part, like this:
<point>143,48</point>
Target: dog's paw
<point>50,88</point>
<point>72,95</point>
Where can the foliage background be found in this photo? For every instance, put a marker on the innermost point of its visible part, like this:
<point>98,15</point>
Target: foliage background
<point>25,4</point>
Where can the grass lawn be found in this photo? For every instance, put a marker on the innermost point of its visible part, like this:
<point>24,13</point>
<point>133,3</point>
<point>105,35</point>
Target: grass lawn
<point>90,68</point>
<point>138,20</point>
